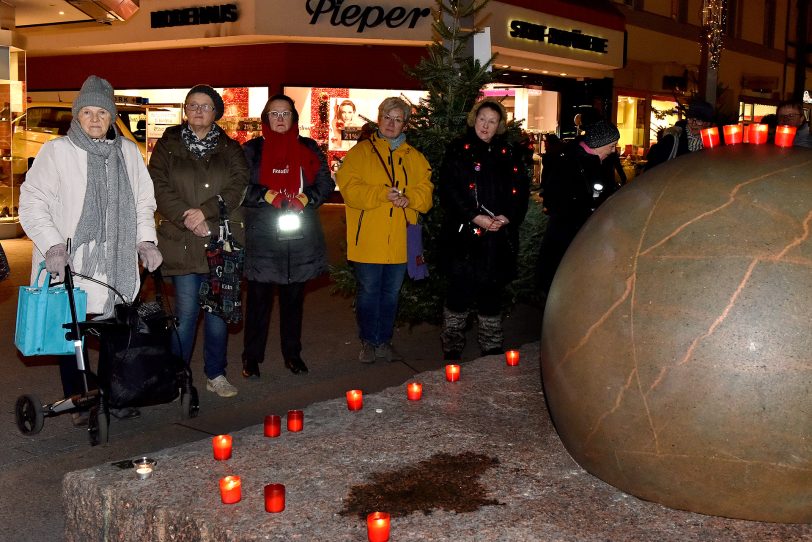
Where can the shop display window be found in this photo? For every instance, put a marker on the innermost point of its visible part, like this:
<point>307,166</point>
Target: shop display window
<point>13,163</point>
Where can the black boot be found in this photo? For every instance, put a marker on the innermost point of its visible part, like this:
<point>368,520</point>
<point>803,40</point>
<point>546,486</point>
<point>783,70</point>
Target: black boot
<point>490,335</point>
<point>250,369</point>
<point>453,334</point>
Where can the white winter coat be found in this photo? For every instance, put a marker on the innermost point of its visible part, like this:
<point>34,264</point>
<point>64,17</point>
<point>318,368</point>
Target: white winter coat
<point>51,201</point>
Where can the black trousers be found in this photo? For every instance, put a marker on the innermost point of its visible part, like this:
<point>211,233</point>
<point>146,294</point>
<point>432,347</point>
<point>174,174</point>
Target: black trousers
<point>258,307</point>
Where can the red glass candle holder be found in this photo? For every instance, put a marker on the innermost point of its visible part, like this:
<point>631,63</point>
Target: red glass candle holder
<point>710,137</point>
<point>295,421</point>
<point>378,527</point>
<point>230,489</point>
<point>784,135</point>
<point>221,444</point>
<point>733,134</point>
<point>512,357</point>
<point>452,373</point>
<point>355,400</point>
<point>758,134</point>
<point>274,498</point>
<point>414,391</point>
<point>273,425</point>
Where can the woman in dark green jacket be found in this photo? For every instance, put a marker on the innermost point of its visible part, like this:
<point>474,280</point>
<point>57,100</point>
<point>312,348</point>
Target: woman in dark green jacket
<point>191,166</point>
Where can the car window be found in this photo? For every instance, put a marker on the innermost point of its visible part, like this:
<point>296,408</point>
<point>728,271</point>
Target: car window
<point>48,120</point>
<point>136,122</point>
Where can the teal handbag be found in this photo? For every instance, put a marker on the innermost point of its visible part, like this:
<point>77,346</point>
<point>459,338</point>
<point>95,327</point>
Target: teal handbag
<point>41,313</point>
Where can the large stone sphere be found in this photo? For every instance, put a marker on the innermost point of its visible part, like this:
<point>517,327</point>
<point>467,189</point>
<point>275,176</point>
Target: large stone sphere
<point>676,351</point>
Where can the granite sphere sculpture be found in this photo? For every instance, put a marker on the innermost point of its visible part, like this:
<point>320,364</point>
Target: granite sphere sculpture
<point>677,337</point>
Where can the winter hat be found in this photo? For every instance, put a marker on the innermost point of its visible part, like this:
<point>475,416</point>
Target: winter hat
<point>219,107</point>
<point>600,133</point>
<point>491,103</point>
<point>700,110</point>
<point>96,92</point>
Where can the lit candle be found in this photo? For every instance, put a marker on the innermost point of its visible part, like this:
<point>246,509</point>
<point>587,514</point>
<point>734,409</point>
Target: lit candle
<point>273,425</point>
<point>758,134</point>
<point>378,527</point>
<point>295,420</point>
<point>733,134</point>
<point>222,447</point>
<point>274,498</point>
<point>414,391</point>
<point>784,135</point>
<point>355,399</point>
<point>512,357</point>
<point>452,373</point>
<point>710,137</point>
<point>230,489</point>
<point>144,467</point>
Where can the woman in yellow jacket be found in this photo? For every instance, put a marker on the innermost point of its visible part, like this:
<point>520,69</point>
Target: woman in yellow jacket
<point>385,182</point>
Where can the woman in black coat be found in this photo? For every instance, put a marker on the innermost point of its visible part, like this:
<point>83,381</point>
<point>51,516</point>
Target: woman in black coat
<point>284,239</point>
<point>484,192</point>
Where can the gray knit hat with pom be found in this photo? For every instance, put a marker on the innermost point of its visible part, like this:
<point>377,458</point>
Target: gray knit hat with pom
<point>96,92</point>
<point>600,133</point>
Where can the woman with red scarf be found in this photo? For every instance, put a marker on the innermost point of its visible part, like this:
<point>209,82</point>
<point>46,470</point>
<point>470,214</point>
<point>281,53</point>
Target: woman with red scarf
<point>284,239</point>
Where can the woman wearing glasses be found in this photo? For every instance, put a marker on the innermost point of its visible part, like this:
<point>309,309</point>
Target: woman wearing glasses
<point>191,165</point>
<point>284,240</point>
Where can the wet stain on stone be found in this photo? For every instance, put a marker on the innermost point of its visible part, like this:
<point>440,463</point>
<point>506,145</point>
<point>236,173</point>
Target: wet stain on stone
<point>443,481</point>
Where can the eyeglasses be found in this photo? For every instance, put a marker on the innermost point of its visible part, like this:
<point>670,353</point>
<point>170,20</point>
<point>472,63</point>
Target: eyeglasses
<point>789,116</point>
<point>199,107</point>
<point>279,114</point>
<point>396,120</point>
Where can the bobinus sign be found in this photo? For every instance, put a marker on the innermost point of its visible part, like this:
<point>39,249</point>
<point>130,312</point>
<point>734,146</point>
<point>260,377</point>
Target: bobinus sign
<point>224,13</point>
<point>339,13</point>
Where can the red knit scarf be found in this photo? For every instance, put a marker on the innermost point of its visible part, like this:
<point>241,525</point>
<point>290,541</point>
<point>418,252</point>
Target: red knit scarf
<point>283,156</point>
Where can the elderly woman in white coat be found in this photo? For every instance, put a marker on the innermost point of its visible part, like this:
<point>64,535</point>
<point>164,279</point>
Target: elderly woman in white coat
<point>92,187</point>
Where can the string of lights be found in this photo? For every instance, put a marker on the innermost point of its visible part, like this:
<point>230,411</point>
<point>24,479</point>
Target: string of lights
<point>713,24</point>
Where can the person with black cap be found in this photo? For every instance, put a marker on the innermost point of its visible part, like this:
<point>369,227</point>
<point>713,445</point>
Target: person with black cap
<point>191,166</point>
<point>683,137</point>
<point>575,184</point>
<point>92,187</point>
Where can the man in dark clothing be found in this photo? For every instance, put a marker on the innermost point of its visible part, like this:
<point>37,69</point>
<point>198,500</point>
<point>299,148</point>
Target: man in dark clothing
<point>683,137</point>
<point>574,184</point>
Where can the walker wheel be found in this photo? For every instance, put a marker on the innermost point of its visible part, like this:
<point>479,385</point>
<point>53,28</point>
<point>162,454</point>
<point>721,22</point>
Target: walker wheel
<point>29,416</point>
<point>189,403</point>
<point>98,424</point>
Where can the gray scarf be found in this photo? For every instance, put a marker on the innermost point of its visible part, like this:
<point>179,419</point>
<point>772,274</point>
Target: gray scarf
<point>108,216</point>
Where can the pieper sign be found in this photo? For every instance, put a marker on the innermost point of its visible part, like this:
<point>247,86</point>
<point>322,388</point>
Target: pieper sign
<point>555,36</point>
<point>363,16</point>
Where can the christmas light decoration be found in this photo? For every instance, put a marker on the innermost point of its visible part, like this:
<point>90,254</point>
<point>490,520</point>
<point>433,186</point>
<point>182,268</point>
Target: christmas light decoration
<point>713,24</point>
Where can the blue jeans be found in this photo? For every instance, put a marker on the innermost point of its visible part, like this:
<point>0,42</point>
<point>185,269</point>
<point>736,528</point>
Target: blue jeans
<point>215,330</point>
<point>376,301</point>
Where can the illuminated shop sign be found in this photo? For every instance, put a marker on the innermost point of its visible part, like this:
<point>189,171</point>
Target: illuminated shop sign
<point>225,13</point>
<point>337,13</point>
<point>555,36</point>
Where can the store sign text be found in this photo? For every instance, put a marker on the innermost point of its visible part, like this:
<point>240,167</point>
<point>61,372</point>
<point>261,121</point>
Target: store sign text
<point>363,16</point>
<point>226,13</point>
<point>554,36</point>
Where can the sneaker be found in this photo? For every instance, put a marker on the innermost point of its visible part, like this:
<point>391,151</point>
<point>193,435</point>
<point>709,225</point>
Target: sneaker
<point>221,386</point>
<point>388,352</point>
<point>126,413</point>
<point>367,354</point>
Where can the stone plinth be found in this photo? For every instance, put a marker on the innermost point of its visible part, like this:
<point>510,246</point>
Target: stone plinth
<point>493,410</point>
<point>677,343</point>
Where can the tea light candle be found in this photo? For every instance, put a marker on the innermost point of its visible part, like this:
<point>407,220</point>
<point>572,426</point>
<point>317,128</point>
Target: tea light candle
<point>733,134</point>
<point>784,135</point>
<point>144,467</point>
<point>355,399</point>
<point>414,391</point>
<point>378,527</point>
<point>274,498</point>
<point>452,373</point>
<point>710,137</point>
<point>222,447</point>
<point>512,357</point>
<point>230,489</point>
<point>295,420</point>
<point>273,425</point>
<point>758,134</point>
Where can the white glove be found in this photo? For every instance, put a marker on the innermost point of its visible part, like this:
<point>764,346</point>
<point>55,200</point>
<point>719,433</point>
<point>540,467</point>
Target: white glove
<point>56,259</point>
<point>150,255</point>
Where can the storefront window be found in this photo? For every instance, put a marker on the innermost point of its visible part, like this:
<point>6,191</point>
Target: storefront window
<point>753,112</point>
<point>13,162</point>
<point>631,124</point>
<point>664,113</point>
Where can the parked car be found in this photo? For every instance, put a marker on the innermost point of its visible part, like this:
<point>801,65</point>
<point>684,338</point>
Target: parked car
<point>44,121</point>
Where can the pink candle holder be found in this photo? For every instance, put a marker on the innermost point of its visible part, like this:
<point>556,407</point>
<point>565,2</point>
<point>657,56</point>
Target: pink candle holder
<point>414,391</point>
<point>230,489</point>
<point>355,400</point>
<point>221,445</point>
<point>512,357</point>
<point>784,135</point>
<point>758,134</point>
<point>295,421</point>
<point>274,498</point>
<point>710,137</point>
<point>452,373</point>
<point>378,527</point>
<point>273,426</point>
<point>733,134</point>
